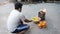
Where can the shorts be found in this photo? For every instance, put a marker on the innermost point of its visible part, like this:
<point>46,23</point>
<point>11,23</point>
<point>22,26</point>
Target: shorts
<point>20,28</point>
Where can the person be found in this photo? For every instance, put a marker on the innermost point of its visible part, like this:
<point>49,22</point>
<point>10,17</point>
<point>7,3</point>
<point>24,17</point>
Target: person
<point>15,20</point>
<point>41,14</point>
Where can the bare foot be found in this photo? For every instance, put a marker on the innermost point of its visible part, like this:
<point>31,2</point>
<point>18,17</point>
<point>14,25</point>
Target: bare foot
<point>21,32</point>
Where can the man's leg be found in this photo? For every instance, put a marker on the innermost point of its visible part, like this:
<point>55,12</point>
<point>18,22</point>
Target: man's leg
<point>22,32</point>
<point>25,28</point>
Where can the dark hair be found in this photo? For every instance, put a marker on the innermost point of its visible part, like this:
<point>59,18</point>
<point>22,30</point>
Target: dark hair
<point>18,5</point>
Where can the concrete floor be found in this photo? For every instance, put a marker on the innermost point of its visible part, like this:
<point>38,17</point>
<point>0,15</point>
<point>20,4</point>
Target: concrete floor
<point>31,10</point>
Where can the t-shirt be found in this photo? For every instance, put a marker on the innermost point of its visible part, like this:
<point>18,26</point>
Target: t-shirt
<point>14,20</point>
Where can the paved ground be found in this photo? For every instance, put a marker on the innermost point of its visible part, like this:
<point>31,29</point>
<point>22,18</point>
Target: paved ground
<point>31,10</point>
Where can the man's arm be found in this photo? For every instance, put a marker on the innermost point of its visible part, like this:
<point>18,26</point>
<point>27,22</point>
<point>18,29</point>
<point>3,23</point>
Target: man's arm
<point>26,20</point>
